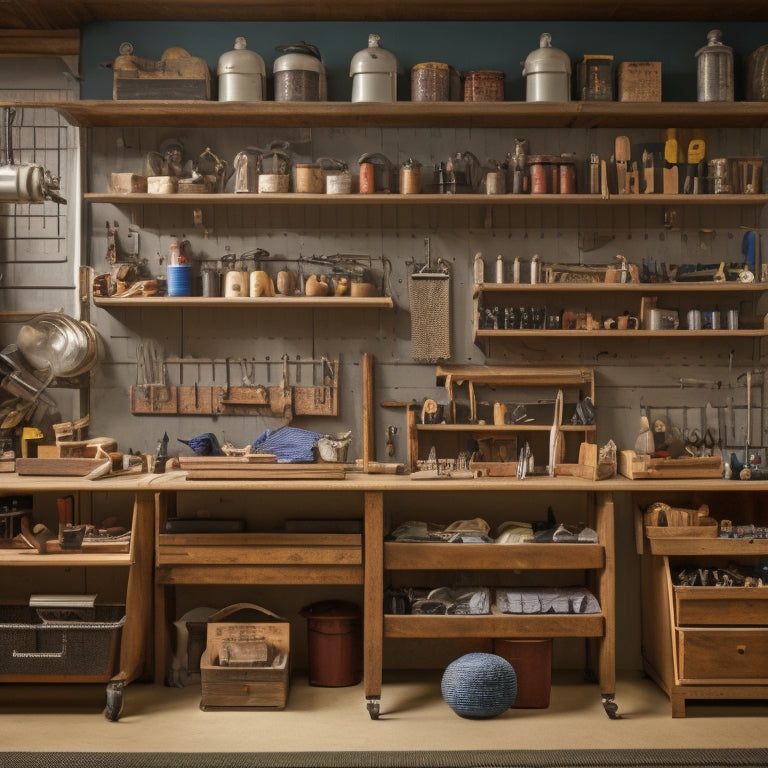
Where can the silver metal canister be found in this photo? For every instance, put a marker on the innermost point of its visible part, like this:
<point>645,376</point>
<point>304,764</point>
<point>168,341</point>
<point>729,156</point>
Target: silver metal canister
<point>547,73</point>
<point>714,69</point>
<point>299,73</point>
<point>241,73</point>
<point>374,74</point>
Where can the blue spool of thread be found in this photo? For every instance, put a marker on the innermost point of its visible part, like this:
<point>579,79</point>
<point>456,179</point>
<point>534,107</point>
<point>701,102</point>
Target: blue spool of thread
<point>180,280</point>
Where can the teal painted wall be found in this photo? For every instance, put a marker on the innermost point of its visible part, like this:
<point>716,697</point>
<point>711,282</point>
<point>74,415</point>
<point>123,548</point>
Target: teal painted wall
<point>464,45</point>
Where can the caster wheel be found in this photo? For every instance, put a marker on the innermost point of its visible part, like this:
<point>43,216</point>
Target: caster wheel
<point>373,708</point>
<point>611,707</point>
<point>114,704</point>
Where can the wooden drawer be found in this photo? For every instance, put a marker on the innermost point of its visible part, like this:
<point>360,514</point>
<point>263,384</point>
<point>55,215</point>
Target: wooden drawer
<point>722,655</point>
<point>721,606</point>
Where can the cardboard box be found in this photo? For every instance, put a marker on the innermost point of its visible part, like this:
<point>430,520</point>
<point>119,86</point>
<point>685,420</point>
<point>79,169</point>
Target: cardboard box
<point>640,81</point>
<point>245,687</point>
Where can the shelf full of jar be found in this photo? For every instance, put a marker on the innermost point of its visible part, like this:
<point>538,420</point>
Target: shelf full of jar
<point>246,302</point>
<point>725,287</point>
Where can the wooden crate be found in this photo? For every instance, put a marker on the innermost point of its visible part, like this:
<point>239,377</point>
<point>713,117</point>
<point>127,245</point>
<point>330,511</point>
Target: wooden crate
<point>637,467</point>
<point>233,687</point>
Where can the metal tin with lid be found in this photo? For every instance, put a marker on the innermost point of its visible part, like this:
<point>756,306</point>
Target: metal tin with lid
<point>299,73</point>
<point>374,73</point>
<point>241,73</point>
<point>547,73</point>
<point>714,69</point>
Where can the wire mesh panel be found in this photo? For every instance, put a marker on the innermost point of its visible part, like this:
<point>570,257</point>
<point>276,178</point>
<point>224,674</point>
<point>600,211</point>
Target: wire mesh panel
<point>430,303</point>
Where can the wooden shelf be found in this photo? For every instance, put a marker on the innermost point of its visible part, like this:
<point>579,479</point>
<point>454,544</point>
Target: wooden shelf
<point>720,333</point>
<point>728,287</point>
<point>506,428</point>
<point>407,556</point>
<point>37,14</point>
<point>517,625</point>
<point>709,547</point>
<point>383,199</point>
<point>30,557</point>
<point>407,114</point>
<point>273,302</point>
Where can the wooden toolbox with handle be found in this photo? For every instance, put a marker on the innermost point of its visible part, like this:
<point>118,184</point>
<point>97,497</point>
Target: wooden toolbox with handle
<point>246,662</point>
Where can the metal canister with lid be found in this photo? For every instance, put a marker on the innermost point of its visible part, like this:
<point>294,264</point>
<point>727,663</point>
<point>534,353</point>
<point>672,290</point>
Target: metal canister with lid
<point>431,81</point>
<point>547,73</point>
<point>714,69</point>
<point>299,73</point>
<point>484,85</point>
<point>374,73</point>
<point>241,73</point>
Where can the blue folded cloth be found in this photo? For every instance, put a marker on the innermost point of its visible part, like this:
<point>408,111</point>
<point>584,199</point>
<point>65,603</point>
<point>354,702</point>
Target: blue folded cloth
<point>290,445</point>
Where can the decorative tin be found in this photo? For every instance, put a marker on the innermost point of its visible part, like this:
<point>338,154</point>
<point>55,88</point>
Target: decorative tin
<point>757,74</point>
<point>484,85</point>
<point>639,81</point>
<point>431,81</point>
<point>410,177</point>
<point>714,69</point>
<point>299,73</point>
<point>595,78</point>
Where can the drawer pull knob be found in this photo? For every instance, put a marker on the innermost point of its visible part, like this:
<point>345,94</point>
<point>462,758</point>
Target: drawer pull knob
<point>741,649</point>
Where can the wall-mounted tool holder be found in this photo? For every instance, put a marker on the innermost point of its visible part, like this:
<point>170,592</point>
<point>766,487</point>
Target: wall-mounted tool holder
<point>285,399</point>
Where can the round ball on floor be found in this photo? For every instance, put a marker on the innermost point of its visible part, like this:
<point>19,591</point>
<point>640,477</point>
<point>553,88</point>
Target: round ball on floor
<point>479,685</point>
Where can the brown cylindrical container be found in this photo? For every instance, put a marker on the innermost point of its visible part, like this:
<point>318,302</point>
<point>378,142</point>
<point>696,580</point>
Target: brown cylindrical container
<point>484,85</point>
<point>567,178</point>
<point>410,177</point>
<point>430,81</point>
<point>334,646</point>
<point>367,182</point>
<point>309,178</point>
<point>544,173</point>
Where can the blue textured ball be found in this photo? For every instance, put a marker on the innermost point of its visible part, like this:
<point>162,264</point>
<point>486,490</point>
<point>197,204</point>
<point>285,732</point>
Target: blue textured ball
<point>479,685</point>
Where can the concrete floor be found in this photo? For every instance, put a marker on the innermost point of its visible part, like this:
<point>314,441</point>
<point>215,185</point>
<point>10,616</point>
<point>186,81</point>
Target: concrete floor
<point>413,716</point>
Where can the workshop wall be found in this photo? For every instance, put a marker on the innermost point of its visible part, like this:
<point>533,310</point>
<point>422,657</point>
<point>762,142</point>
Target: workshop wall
<point>674,379</point>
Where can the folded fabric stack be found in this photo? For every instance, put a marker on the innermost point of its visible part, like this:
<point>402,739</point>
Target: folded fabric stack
<point>532,600</point>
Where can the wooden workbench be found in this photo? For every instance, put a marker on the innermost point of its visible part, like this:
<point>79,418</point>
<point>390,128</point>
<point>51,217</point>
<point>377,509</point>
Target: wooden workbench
<point>378,497</point>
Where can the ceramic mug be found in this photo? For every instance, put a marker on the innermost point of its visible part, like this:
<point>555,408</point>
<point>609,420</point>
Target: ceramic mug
<point>626,322</point>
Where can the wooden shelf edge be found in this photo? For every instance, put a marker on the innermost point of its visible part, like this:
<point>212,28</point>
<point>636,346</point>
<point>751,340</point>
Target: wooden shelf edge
<point>274,302</point>
<point>577,114</point>
<point>33,559</point>
<point>386,199</point>
<point>721,333</point>
<point>730,286</point>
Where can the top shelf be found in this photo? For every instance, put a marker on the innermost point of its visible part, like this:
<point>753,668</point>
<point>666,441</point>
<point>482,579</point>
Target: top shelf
<point>40,14</point>
<point>408,114</point>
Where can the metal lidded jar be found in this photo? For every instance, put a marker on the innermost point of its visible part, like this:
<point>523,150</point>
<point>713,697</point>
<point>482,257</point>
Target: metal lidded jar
<point>431,81</point>
<point>714,69</point>
<point>374,73</point>
<point>299,73</point>
<point>241,73</point>
<point>547,73</point>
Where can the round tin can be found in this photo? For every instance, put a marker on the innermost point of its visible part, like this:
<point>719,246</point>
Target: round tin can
<point>309,178</point>
<point>714,67</point>
<point>484,85</point>
<point>544,173</point>
<point>430,81</point>
<point>338,182</point>
<point>567,178</point>
<point>410,177</point>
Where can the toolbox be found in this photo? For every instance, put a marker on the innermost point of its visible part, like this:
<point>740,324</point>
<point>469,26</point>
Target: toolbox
<point>77,646</point>
<point>246,663</point>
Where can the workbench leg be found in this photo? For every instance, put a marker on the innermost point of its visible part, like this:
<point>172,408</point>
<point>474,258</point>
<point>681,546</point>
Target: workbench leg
<point>606,594</point>
<point>165,599</point>
<point>136,633</point>
<point>373,600</point>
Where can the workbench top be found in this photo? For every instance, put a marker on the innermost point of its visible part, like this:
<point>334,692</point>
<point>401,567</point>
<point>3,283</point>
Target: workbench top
<point>357,481</point>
